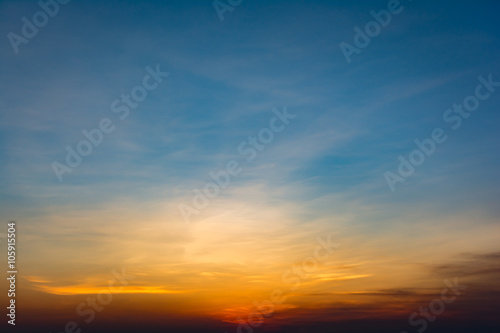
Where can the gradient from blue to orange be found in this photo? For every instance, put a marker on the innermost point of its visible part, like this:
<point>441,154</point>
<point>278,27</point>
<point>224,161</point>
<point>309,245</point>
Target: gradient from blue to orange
<point>323,174</point>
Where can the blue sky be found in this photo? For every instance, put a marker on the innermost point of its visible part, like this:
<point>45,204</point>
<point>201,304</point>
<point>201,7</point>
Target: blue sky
<point>353,120</point>
<point>324,170</point>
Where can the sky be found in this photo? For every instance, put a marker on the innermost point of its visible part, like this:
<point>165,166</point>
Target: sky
<point>183,163</point>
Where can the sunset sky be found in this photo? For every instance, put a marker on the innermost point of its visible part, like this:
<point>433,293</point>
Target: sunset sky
<point>306,136</point>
